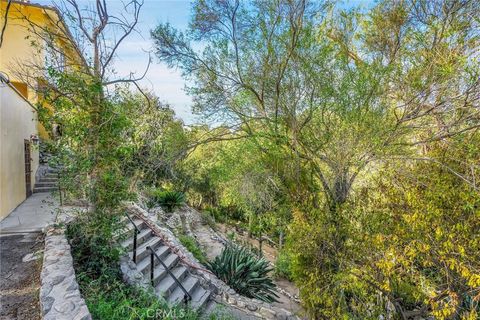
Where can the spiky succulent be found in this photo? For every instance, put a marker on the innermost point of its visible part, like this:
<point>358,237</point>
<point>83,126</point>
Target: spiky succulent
<point>169,200</point>
<point>246,273</point>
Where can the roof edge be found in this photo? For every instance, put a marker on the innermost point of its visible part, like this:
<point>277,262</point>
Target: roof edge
<point>29,4</point>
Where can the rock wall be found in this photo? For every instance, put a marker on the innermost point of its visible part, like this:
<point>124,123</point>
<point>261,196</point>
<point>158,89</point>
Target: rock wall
<point>60,297</point>
<point>223,293</point>
<point>131,275</point>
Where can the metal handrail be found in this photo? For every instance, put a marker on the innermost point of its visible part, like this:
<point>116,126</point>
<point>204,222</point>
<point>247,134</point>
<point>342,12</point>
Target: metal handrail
<point>187,297</point>
<point>136,231</point>
<point>59,189</point>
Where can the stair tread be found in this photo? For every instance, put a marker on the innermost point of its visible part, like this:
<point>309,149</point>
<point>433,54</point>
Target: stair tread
<point>178,271</point>
<point>189,283</point>
<point>169,261</point>
<point>168,283</point>
<point>161,251</point>
<point>42,185</point>
<point>151,242</point>
<point>200,297</point>
<point>129,227</point>
<point>142,251</point>
<point>144,264</point>
<point>129,241</point>
<point>39,190</point>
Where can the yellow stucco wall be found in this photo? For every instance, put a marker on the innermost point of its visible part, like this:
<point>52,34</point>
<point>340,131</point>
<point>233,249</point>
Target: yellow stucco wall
<point>18,120</point>
<point>21,48</point>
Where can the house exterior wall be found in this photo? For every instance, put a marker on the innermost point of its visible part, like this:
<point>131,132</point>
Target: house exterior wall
<point>22,61</point>
<point>21,48</point>
<point>18,121</point>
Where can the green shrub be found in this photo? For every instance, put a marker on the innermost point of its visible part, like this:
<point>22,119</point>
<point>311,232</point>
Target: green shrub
<point>223,214</point>
<point>94,248</point>
<point>209,219</point>
<point>283,265</point>
<point>231,235</point>
<point>191,245</point>
<point>110,298</point>
<point>244,272</point>
<point>169,200</point>
<point>217,214</point>
<point>95,256</point>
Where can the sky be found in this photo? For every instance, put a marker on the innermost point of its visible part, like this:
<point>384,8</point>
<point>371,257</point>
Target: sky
<point>167,84</point>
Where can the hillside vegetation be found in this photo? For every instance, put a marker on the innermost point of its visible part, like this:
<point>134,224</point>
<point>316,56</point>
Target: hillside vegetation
<point>348,137</point>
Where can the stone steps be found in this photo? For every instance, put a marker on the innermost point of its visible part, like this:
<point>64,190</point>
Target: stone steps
<point>168,284</point>
<point>43,179</point>
<point>164,285</point>
<point>45,184</point>
<point>44,189</point>
<point>141,237</point>
<point>48,182</point>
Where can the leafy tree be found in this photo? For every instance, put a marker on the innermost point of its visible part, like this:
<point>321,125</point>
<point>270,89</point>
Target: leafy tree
<point>318,88</point>
<point>82,94</point>
<point>429,234</point>
<point>339,96</point>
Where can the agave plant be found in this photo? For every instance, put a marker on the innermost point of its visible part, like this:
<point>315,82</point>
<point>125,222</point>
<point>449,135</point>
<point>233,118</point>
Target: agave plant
<point>169,200</point>
<point>246,273</point>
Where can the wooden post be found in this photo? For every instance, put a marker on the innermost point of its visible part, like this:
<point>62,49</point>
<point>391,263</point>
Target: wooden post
<point>260,245</point>
<point>280,240</point>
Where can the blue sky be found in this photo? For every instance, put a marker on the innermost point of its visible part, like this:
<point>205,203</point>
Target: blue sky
<point>166,83</point>
<point>132,57</point>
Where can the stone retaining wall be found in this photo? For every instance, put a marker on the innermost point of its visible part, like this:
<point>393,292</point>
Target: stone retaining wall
<point>60,297</point>
<point>223,293</point>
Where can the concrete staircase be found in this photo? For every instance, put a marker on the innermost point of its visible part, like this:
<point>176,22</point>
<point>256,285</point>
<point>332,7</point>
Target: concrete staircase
<point>47,182</point>
<point>164,285</point>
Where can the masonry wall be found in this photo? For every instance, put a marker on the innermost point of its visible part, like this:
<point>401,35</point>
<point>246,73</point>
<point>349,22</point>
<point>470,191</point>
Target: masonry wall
<point>18,121</point>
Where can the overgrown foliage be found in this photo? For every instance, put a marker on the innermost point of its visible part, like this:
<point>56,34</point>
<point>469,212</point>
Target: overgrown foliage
<point>354,132</point>
<point>169,200</point>
<point>412,242</point>
<point>96,262</point>
<point>244,272</point>
<point>193,247</point>
<point>283,265</point>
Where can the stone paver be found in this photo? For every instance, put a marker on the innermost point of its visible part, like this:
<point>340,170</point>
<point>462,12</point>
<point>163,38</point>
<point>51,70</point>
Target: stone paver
<point>60,297</point>
<point>32,215</point>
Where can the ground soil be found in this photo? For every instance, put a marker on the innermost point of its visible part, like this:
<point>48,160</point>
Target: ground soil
<point>20,267</point>
<point>213,247</point>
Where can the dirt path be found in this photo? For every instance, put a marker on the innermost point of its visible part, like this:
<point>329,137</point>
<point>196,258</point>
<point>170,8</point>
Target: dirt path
<point>20,267</point>
<point>212,244</point>
<point>269,252</point>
